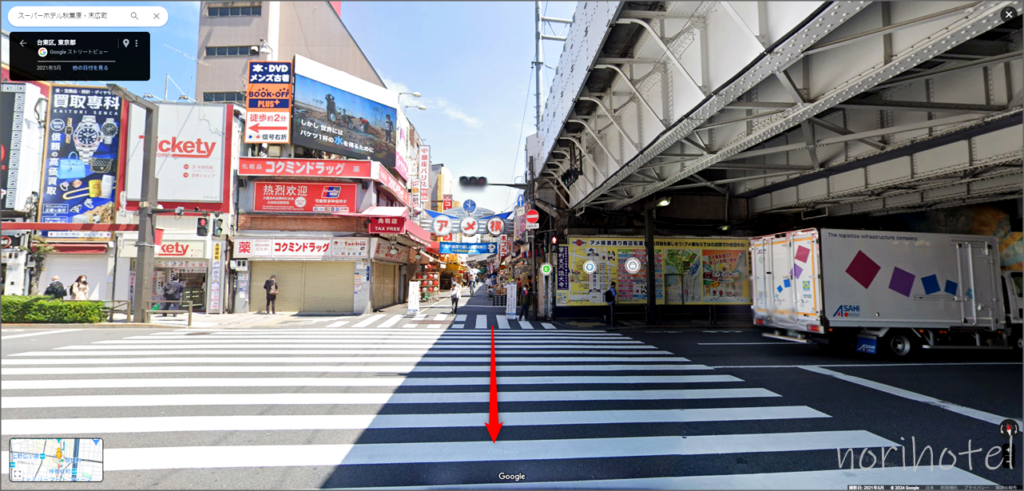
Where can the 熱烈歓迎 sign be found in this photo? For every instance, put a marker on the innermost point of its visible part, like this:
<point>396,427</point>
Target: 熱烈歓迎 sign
<point>307,197</point>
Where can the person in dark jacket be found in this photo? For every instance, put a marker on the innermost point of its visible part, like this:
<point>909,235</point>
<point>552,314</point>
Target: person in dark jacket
<point>56,289</point>
<point>271,287</point>
<point>527,299</point>
<point>172,294</point>
<point>610,296</point>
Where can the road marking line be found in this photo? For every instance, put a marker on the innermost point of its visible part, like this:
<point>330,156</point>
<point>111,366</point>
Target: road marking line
<point>440,317</point>
<point>420,317</point>
<point>64,370</point>
<point>327,398</point>
<point>410,326</point>
<point>43,333</point>
<point>783,343</point>
<point>460,318</point>
<point>914,396</point>
<point>210,457</point>
<point>503,322</point>
<point>420,346</point>
<point>547,325</point>
<point>478,324</point>
<point>120,360</point>
<point>434,326</point>
<point>154,352</point>
<point>392,321</point>
<point>372,332</point>
<point>358,382</point>
<point>869,365</point>
<point>162,424</point>
<point>209,340</point>
<point>831,479</point>
<point>526,325</point>
<point>369,320</point>
<point>337,324</point>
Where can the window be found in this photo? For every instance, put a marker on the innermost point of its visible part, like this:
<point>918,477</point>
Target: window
<point>227,51</point>
<point>253,10</point>
<point>223,96</point>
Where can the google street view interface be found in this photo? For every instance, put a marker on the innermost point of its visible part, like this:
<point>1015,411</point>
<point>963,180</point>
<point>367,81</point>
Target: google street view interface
<point>501,245</point>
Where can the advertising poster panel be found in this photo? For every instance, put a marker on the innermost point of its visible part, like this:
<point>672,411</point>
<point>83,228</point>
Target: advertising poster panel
<point>304,197</point>
<point>83,140</point>
<point>336,121</point>
<point>268,102</point>
<point>690,271</point>
<point>190,153</point>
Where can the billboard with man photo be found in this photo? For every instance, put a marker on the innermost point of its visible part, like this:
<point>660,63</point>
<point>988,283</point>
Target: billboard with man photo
<point>335,121</point>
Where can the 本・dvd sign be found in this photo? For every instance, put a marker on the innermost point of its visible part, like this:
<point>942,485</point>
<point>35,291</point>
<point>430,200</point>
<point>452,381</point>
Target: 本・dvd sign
<point>269,102</point>
<point>304,197</point>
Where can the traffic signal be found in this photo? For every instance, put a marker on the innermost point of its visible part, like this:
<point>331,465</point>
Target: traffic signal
<point>472,181</point>
<point>203,227</point>
<point>218,225</point>
<point>554,240</point>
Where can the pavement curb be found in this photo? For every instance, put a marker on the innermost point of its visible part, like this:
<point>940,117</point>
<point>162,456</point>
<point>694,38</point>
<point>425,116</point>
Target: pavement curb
<point>89,326</point>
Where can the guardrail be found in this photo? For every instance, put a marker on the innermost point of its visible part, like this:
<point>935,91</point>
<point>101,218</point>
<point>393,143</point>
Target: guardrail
<point>150,311</point>
<point>117,306</point>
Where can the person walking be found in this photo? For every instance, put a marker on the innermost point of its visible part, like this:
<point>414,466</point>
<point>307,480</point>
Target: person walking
<point>527,290</point>
<point>80,289</point>
<point>609,296</point>
<point>456,294</point>
<point>172,294</point>
<point>56,289</point>
<point>271,287</point>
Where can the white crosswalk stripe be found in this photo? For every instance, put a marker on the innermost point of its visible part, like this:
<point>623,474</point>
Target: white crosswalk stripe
<point>265,399</point>
<point>337,324</point>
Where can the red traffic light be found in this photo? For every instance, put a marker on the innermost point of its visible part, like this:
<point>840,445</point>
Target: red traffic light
<point>203,222</point>
<point>554,240</point>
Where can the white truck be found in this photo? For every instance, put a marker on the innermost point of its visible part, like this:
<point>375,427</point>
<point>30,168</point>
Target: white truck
<point>885,292</point>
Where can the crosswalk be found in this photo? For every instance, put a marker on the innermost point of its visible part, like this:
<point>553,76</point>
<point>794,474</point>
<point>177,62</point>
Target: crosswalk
<point>437,321</point>
<point>581,409</point>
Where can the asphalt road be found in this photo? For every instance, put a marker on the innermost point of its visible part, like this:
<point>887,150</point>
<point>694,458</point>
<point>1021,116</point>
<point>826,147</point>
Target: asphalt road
<point>310,406</point>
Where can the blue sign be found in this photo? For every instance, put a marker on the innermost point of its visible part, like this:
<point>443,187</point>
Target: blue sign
<point>272,82</point>
<point>469,206</point>
<point>467,248</point>
<point>520,201</point>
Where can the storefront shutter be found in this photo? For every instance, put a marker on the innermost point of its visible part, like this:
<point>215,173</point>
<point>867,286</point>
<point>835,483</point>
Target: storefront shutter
<point>328,287</point>
<point>289,282</point>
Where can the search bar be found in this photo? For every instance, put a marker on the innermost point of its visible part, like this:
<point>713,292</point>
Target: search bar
<point>86,16</point>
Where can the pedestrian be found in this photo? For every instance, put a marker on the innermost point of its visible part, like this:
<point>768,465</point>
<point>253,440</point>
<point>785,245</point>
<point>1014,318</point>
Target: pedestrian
<point>609,296</point>
<point>527,289</point>
<point>80,289</point>
<point>456,294</point>
<point>56,289</point>
<point>389,128</point>
<point>172,294</point>
<point>271,287</point>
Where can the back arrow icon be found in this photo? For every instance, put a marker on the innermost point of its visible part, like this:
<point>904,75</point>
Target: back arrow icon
<point>22,43</point>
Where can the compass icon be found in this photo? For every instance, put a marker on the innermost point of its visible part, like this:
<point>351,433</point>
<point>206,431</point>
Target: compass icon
<point>1008,428</point>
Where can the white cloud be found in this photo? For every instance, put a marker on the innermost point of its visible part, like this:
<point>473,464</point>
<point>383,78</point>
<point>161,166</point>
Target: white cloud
<point>435,103</point>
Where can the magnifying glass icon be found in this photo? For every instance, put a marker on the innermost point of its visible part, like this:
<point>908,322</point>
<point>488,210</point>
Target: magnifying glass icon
<point>134,16</point>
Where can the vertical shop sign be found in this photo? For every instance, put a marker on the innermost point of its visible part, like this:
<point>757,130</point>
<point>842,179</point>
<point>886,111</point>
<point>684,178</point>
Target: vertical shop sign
<point>82,150</point>
<point>216,267</point>
<point>12,120</point>
<point>425,176</point>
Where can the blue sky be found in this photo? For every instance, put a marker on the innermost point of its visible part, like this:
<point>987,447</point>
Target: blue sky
<point>470,60</point>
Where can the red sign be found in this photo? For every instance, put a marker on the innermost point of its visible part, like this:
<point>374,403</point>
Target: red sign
<point>532,216</point>
<point>396,188</point>
<point>308,197</point>
<point>174,147</point>
<point>349,169</point>
<point>387,225</point>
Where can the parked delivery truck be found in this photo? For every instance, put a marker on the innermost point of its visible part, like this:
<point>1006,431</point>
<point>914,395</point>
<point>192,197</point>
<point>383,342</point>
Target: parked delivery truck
<point>885,292</point>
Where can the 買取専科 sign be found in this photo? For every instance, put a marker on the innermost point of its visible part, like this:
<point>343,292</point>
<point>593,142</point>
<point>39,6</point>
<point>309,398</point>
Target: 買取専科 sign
<point>470,248</point>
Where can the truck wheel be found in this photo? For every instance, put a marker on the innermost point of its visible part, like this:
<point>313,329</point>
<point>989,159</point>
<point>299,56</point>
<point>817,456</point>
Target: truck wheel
<point>899,345</point>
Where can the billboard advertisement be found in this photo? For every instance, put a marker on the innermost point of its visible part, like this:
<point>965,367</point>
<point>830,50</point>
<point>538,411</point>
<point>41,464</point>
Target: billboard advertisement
<point>83,143</point>
<point>688,271</point>
<point>12,109</point>
<point>268,102</point>
<point>304,197</point>
<point>190,152</point>
<point>341,114</point>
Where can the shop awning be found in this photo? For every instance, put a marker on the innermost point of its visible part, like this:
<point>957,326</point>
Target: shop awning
<point>79,248</point>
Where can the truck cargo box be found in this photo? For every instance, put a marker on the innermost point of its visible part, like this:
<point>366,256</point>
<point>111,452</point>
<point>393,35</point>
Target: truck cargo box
<point>810,280</point>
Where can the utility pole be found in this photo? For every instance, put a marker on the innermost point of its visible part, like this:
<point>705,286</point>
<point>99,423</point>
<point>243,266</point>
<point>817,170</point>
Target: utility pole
<point>147,206</point>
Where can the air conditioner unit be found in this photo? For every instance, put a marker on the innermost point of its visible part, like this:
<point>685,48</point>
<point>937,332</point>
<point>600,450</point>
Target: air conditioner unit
<point>239,265</point>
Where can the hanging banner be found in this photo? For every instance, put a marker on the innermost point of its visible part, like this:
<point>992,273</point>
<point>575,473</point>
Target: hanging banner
<point>562,277</point>
<point>690,271</point>
<point>425,177</point>
<point>467,248</point>
<point>12,120</point>
<point>83,142</point>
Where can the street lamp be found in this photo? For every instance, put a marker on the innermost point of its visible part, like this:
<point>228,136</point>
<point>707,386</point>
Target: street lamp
<point>414,94</point>
<point>649,208</point>
<point>420,107</point>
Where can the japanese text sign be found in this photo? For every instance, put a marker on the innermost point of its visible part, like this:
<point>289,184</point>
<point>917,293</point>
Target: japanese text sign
<point>308,197</point>
<point>269,102</point>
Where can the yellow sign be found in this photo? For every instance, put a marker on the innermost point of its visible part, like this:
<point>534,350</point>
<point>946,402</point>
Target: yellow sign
<point>688,270</point>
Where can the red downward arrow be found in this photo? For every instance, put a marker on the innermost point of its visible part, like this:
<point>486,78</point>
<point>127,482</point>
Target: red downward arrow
<point>493,427</point>
<point>256,127</point>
